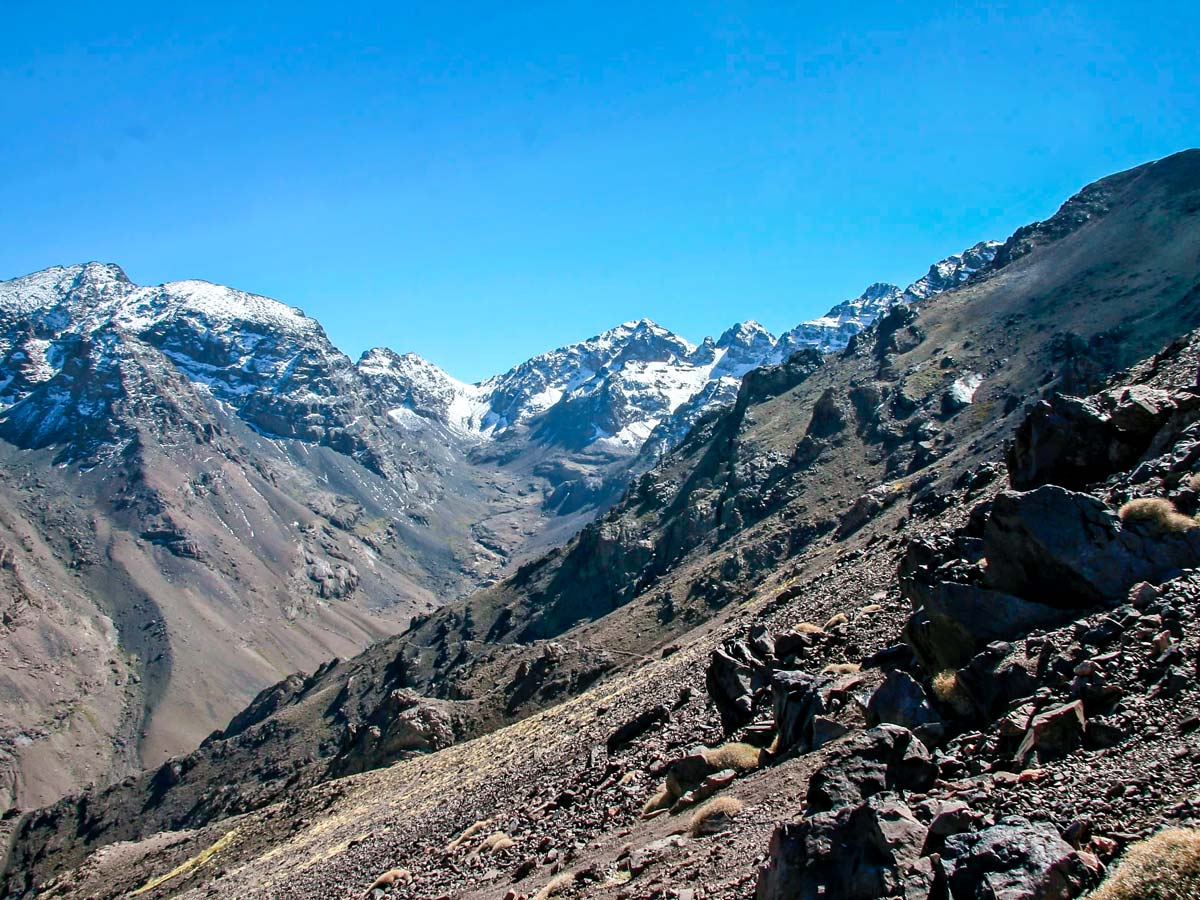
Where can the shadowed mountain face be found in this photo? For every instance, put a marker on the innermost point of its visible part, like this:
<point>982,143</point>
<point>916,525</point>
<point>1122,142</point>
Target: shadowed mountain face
<point>202,494</point>
<point>795,499</point>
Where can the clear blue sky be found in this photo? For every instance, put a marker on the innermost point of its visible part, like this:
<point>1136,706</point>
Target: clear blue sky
<point>479,183</point>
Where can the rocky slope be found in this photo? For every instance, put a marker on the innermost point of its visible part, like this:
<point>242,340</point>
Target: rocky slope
<point>838,514</point>
<point>202,494</point>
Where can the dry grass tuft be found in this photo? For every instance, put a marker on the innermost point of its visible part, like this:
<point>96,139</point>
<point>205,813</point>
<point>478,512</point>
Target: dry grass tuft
<point>734,755</point>
<point>1157,515</point>
<point>714,816</point>
<point>841,669</point>
<point>388,879</point>
<point>662,799</point>
<point>808,628</point>
<point>1163,867</point>
<point>835,621</point>
<point>555,886</point>
<point>949,691</point>
<point>467,835</point>
<point>498,841</point>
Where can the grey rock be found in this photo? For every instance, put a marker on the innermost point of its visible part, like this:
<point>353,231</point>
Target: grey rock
<point>637,726</point>
<point>955,621</point>
<point>1073,442</point>
<point>857,852</point>
<point>1016,860</point>
<point>901,701</point>
<point>729,679</point>
<point>797,701</point>
<point>884,758</point>
<point>1068,549</point>
<point>1055,733</point>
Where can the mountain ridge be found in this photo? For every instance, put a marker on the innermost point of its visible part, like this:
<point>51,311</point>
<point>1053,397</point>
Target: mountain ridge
<point>348,498</point>
<point>791,508</point>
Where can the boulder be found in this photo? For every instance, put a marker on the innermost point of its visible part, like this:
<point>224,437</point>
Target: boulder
<point>688,772</point>
<point>1074,442</point>
<point>404,723</point>
<point>795,641</point>
<point>1069,550</point>
<point>729,682</point>
<point>995,678</point>
<point>808,708</point>
<point>1054,733</point>
<point>1016,860</point>
<point>637,726</point>
<point>945,818</point>
<point>955,621</point>
<point>885,758</point>
<point>828,417</point>
<point>859,852</point>
<point>867,507</point>
<point>901,701</point>
<point>797,701</point>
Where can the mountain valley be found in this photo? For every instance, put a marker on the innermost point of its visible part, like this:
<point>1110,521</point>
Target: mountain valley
<point>535,609</point>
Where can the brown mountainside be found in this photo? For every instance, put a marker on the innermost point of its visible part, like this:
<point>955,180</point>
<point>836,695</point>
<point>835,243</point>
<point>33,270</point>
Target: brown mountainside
<point>795,505</point>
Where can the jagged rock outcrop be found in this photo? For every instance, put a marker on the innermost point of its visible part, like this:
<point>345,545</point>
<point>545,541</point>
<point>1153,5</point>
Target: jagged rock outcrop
<point>1073,441</point>
<point>878,844</point>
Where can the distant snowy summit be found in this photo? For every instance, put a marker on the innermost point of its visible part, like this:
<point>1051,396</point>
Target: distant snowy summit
<point>280,372</point>
<point>618,387</point>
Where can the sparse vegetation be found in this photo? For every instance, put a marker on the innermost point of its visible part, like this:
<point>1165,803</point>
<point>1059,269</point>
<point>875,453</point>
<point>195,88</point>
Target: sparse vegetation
<point>714,816</point>
<point>738,757</point>
<point>498,841</point>
<point>835,621</point>
<point>1163,867</point>
<point>468,834</point>
<point>808,628</point>
<point>1157,515</point>
<point>734,755</point>
<point>388,879</point>
<point>555,886</point>
<point>841,669</point>
<point>190,865</point>
<point>659,800</point>
<point>950,692</point>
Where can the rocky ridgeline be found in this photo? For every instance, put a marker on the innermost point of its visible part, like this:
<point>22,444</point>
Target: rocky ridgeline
<point>1039,715</point>
<point>991,707</point>
<point>1034,719</point>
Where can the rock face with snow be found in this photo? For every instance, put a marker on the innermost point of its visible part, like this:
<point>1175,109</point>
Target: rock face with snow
<point>638,382</point>
<point>242,500</point>
<point>68,334</point>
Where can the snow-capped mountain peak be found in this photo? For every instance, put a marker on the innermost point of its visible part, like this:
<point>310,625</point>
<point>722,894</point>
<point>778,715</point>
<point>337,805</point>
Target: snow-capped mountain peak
<point>743,347</point>
<point>952,270</point>
<point>277,368</point>
<point>409,381</point>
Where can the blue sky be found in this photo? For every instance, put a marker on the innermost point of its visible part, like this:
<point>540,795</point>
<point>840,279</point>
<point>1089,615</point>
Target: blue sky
<point>479,183</point>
